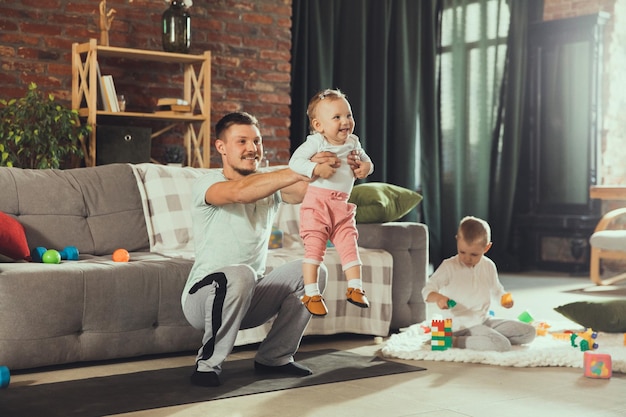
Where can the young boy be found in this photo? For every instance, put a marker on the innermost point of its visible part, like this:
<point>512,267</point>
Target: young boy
<point>471,280</point>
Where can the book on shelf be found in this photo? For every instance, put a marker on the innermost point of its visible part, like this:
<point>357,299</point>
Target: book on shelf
<point>103,102</point>
<point>165,101</point>
<point>110,93</point>
<point>180,108</point>
<point>169,106</point>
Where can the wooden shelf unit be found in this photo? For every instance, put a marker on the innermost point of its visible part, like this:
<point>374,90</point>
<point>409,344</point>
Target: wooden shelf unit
<point>196,90</point>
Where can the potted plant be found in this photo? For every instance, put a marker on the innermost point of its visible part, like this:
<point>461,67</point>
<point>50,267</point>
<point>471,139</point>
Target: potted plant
<point>38,132</point>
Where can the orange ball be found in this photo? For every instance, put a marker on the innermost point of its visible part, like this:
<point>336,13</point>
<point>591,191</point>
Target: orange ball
<point>506,299</point>
<point>121,255</point>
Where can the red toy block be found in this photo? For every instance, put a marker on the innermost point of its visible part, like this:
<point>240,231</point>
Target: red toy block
<point>597,365</point>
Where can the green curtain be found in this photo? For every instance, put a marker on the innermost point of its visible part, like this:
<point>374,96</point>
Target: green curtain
<point>472,65</point>
<point>483,73</point>
<point>509,133</point>
<point>448,125</point>
<point>380,53</point>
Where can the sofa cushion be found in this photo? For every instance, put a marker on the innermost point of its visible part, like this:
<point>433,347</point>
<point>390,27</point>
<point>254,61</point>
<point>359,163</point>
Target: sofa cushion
<point>607,316</point>
<point>166,198</point>
<point>342,316</point>
<point>96,209</point>
<point>608,240</point>
<point>13,241</point>
<point>93,309</point>
<point>379,202</point>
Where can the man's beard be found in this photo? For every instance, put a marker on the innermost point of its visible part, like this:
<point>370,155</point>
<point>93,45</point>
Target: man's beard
<point>244,172</point>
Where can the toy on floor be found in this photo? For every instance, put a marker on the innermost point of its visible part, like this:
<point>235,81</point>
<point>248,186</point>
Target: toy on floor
<point>441,334</point>
<point>5,377</point>
<point>51,256</point>
<point>597,365</point>
<point>584,340</point>
<point>565,335</point>
<point>526,317</point>
<point>121,255</point>
<point>541,328</point>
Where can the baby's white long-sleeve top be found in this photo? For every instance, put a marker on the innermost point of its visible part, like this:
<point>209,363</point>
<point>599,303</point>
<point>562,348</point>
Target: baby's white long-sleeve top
<point>473,289</point>
<point>343,179</point>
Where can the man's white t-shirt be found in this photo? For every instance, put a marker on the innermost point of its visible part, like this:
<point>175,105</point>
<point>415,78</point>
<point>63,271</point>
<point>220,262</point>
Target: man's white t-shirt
<point>230,234</point>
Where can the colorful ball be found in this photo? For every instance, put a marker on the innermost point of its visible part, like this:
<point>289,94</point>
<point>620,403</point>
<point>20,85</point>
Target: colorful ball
<point>51,256</point>
<point>121,255</point>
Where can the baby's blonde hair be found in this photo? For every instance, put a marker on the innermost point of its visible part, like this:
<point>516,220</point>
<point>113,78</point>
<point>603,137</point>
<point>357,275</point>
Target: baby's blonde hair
<point>331,94</point>
<point>472,229</point>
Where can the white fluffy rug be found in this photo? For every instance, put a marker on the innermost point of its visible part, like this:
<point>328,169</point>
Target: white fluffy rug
<point>543,351</point>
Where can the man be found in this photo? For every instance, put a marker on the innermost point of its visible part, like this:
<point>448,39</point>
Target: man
<point>232,211</point>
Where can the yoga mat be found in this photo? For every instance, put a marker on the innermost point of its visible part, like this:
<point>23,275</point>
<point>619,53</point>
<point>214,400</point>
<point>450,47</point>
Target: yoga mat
<point>146,390</point>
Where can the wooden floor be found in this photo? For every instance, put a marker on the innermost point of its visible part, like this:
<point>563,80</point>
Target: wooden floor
<point>444,390</point>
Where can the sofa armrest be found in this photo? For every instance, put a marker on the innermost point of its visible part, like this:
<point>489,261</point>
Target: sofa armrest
<point>407,242</point>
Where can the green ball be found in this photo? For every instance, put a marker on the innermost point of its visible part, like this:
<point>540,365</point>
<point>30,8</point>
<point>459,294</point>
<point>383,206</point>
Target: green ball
<point>51,256</point>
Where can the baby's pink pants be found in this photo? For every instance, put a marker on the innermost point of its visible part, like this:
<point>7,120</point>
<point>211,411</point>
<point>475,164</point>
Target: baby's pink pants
<point>326,215</point>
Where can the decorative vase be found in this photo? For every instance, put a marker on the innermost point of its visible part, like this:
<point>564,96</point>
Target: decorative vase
<point>176,28</point>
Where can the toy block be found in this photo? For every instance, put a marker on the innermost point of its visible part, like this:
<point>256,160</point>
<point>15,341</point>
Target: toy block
<point>441,334</point>
<point>439,347</point>
<point>597,365</point>
<point>525,317</point>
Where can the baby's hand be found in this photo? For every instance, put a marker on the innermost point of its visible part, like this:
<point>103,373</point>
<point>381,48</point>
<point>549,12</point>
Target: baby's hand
<point>362,169</point>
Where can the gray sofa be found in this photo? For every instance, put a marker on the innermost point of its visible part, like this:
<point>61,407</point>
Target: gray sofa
<point>97,309</point>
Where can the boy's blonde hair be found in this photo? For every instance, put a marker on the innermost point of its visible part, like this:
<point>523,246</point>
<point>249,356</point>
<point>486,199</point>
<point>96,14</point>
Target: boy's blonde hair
<point>329,94</point>
<point>472,229</point>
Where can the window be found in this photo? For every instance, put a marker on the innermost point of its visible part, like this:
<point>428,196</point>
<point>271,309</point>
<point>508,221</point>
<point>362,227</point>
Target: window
<point>471,58</point>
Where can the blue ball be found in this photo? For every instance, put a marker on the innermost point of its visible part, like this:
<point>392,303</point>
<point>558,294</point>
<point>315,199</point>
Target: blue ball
<point>5,377</point>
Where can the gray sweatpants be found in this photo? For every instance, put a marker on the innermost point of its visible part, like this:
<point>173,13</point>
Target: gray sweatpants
<point>231,299</point>
<point>495,334</point>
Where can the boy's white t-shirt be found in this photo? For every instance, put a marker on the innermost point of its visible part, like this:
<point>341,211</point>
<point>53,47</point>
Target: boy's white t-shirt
<point>473,290</point>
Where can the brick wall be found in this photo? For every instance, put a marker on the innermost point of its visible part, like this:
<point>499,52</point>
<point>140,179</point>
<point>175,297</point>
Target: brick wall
<point>250,44</point>
<point>560,9</point>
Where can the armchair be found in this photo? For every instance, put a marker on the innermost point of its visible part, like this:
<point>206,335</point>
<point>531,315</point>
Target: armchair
<point>608,243</point>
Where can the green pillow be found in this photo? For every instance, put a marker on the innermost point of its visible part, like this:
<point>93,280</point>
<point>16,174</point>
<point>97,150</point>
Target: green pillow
<point>378,202</point>
<point>606,316</point>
